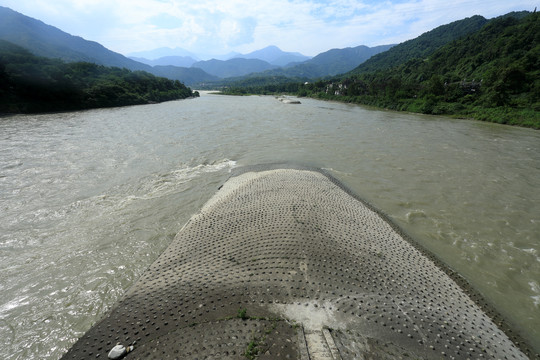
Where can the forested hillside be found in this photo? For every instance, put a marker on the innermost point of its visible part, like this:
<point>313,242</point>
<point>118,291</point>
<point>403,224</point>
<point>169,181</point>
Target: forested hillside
<point>422,46</point>
<point>491,74</point>
<point>187,76</point>
<point>30,83</point>
<point>232,67</point>
<point>47,41</point>
<point>331,62</point>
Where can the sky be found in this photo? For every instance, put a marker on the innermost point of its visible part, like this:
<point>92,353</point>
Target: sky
<point>218,27</point>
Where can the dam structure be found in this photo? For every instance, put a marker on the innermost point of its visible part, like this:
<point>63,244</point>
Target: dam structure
<point>284,262</point>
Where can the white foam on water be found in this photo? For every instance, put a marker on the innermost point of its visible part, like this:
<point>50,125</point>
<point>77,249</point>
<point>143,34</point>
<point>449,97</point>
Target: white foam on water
<point>164,184</point>
<point>338,172</point>
<point>20,301</point>
<point>535,287</point>
<point>190,172</point>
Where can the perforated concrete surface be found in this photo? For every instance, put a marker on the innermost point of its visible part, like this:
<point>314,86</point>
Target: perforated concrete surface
<point>286,264</point>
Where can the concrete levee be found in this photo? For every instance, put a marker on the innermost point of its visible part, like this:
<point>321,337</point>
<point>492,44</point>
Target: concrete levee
<point>284,263</point>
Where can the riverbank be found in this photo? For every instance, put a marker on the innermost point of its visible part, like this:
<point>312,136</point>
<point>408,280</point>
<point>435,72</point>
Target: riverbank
<point>523,117</point>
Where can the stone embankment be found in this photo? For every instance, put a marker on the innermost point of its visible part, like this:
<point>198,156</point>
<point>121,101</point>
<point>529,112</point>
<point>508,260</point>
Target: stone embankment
<point>285,263</point>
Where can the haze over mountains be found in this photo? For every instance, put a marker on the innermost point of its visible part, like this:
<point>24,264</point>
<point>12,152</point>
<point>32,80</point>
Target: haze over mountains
<point>177,64</point>
<point>178,51</point>
<point>182,61</point>
<point>223,66</point>
<point>273,55</point>
<point>162,56</point>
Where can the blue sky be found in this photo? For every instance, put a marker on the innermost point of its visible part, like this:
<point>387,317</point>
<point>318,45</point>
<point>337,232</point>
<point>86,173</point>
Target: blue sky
<point>219,27</point>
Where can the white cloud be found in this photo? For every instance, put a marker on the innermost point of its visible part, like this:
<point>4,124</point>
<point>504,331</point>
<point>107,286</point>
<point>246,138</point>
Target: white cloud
<point>220,26</point>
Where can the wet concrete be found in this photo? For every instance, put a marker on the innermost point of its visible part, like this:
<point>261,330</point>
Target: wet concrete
<point>285,263</point>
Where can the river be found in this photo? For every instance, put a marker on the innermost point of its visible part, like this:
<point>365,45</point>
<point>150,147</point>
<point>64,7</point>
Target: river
<point>89,199</point>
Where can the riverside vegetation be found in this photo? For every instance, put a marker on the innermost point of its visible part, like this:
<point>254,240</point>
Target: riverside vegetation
<point>475,68</point>
<point>30,83</point>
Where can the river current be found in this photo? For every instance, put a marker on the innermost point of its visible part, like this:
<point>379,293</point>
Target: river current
<point>88,200</point>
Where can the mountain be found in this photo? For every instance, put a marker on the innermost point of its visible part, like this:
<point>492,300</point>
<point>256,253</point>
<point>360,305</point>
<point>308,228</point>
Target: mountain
<point>225,57</point>
<point>233,67</point>
<point>182,61</point>
<point>423,45</point>
<point>339,61</point>
<point>188,76</point>
<point>275,56</point>
<point>163,52</point>
<point>271,54</point>
<point>47,41</point>
<point>330,63</point>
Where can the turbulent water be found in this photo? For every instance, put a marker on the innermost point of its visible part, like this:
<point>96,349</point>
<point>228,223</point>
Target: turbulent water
<point>89,199</point>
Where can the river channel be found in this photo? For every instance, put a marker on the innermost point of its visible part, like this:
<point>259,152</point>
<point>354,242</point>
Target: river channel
<point>88,200</point>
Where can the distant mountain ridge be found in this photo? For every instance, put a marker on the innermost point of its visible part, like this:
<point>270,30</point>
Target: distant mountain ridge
<point>275,56</point>
<point>186,75</point>
<point>271,54</point>
<point>338,61</point>
<point>163,52</point>
<point>182,61</point>
<point>328,63</point>
<point>233,67</point>
<point>272,61</point>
